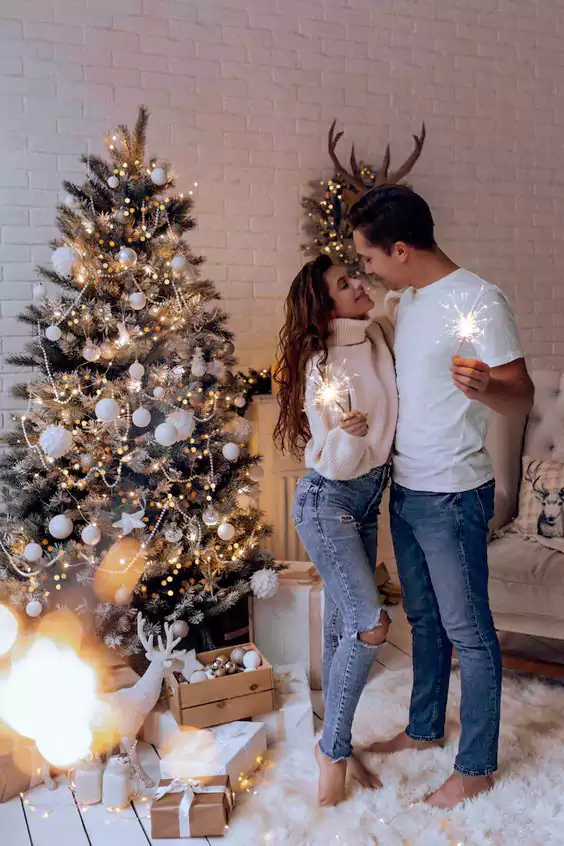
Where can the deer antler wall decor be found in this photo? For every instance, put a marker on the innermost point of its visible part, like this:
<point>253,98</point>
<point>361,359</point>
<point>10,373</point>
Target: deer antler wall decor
<point>328,207</point>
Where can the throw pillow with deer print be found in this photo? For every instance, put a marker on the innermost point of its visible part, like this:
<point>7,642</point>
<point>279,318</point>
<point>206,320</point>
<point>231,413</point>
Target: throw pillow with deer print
<point>541,500</point>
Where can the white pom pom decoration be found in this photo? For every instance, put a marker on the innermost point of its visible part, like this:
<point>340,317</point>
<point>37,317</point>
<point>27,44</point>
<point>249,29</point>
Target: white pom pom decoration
<point>141,417</point>
<point>231,451</point>
<point>240,402</point>
<point>226,531</point>
<point>34,608</point>
<point>159,392</point>
<point>256,473</point>
<point>63,260</point>
<point>33,552</point>
<point>113,182</point>
<point>166,434</point>
<point>55,441</point>
<point>136,370</point>
<point>264,583</point>
<point>183,421</point>
<point>251,659</point>
<point>179,263</point>
<point>127,257</point>
<point>60,526</point>
<point>137,300</point>
<point>159,176</point>
<point>53,333</point>
<point>86,461</point>
<point>107,410</point>
<point>91,535</point>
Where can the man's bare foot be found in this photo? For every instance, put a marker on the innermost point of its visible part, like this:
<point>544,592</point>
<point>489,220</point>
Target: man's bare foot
<point>332,779</point>
<point>458,788</point>
<point>360,773</point>
<point>401,742</point>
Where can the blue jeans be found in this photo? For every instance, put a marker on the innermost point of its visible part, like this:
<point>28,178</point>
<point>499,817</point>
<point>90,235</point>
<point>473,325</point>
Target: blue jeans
<point>440,541</point>
<point>337,523</point>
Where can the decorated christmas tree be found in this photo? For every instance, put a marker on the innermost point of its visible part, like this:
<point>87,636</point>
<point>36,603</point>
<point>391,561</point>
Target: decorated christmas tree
<point>127,483</point>
<point>327,224</point>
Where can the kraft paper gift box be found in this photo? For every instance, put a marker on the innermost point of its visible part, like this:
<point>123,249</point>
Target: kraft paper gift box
<point>191,808</point>
<point>234,749</point>
<point>22,767</point>
<point>288,627</point>
<point>292,723</point>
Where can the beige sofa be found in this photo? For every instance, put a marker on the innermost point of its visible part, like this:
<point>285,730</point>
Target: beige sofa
<point>526,579</point>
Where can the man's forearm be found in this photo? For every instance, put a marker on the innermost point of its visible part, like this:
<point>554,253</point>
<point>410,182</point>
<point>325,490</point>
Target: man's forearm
<point>508,398</point>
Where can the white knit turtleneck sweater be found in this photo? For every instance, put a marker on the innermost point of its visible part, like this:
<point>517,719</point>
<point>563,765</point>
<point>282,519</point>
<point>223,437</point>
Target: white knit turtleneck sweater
<point>359,355</point>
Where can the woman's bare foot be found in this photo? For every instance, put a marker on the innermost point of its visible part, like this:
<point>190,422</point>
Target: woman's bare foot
<point>400,742</point>
<point>332,778</point>
<point>361,774</point>
<point>458,788</point>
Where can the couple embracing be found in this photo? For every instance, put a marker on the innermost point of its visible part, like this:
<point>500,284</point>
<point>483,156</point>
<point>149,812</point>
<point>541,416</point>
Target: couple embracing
<point>418,411</point>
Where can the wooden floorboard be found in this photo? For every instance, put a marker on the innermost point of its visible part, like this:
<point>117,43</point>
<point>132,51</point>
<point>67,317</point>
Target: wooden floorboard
<point>13,825</point>
<point>53,818</point>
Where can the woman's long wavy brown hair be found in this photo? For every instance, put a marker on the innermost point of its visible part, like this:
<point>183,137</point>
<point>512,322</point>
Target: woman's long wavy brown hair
<point>305,332</point>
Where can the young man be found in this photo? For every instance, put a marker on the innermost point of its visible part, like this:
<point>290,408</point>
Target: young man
<point>443,490</point>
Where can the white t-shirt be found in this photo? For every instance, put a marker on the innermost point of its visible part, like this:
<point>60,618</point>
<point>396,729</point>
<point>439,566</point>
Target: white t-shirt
<point>441,433</point>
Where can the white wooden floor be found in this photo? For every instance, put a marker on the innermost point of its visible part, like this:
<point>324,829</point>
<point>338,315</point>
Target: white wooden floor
<point>51,818</point>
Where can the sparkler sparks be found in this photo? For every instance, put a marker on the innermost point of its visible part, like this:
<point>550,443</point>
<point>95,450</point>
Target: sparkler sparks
<point>332,391</point>
<point>468,325</point>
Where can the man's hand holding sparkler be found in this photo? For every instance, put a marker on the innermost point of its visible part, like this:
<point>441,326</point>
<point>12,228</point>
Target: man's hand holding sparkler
<point>470,376</point>
<point>354,423</point>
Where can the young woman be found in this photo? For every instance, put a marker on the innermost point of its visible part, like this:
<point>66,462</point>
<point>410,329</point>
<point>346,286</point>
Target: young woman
<point>338,404</point>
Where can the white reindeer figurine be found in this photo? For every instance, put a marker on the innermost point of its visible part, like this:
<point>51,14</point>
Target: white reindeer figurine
<point>131,706</point>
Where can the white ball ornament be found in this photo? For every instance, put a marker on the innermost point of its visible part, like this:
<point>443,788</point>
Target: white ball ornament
<point>141,417</point>
<point>136,370</point>
<point>159,176</point>
<point>91,352</point>
<point>107,410</point>
<point>63,260</point>
<point>226,531</point>
<point>178,371</point>
<point>166,434</point>
<point>33,552</point>
<point>137,300</point>
<point>39,289</point>
<point>122,596</point>
<point>53,333</point>
<point>159,392</point>
<point>231,451</point>
<point>113,182</point>
<point>179,628</point>
<point>69,200</point>
<point>237,655</point>
<point>86,461</point>
<point>240,402</point>
<point>211,516</point>
<point>55,441</point>
<point>251,660</point>
<point>34,609</point>
<point>256,473</point>
<point>179,263</point>
<point>60,527</point>
<point>91,535</point>
<point>198,676</point>
<point>127,257</point>
<point>183,421</point>
<point>122,215</point>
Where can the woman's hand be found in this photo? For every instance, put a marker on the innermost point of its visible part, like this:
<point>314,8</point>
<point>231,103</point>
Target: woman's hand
<point>354,423</point>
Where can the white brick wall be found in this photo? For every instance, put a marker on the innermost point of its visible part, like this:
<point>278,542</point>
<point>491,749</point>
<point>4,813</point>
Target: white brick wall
<point>242,93</point>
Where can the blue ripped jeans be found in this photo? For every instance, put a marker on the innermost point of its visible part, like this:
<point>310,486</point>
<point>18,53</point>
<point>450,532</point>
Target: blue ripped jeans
<point>337,523</point>
<point>440,541</point>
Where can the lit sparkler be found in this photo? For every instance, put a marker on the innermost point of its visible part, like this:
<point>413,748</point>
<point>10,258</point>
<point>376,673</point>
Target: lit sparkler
<point>332,391</point>
<point>468,325</point>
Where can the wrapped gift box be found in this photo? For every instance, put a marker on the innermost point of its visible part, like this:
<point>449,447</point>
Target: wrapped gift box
<point>21,766</point>
<point>288,627</point>
<point>236,749</point>
<point>192,808</point>
<point>293,721</point>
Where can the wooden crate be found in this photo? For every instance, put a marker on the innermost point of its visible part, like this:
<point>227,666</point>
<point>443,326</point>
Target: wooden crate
<point>222,700</point>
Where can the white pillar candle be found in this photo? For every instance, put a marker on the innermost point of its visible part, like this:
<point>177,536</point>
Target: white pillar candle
<point>87,782</point>
<point>116,785</point>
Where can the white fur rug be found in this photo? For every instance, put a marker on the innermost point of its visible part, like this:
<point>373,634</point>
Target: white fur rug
<point>525,808</point>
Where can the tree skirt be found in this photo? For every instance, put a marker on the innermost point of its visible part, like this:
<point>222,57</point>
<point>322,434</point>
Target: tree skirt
<point>526,807</point>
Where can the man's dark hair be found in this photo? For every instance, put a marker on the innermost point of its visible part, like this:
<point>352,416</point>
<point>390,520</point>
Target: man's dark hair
<point>395,213</point>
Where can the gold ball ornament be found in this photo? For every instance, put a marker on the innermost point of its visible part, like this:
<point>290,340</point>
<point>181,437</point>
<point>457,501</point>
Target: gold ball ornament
<point>121,567</point>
